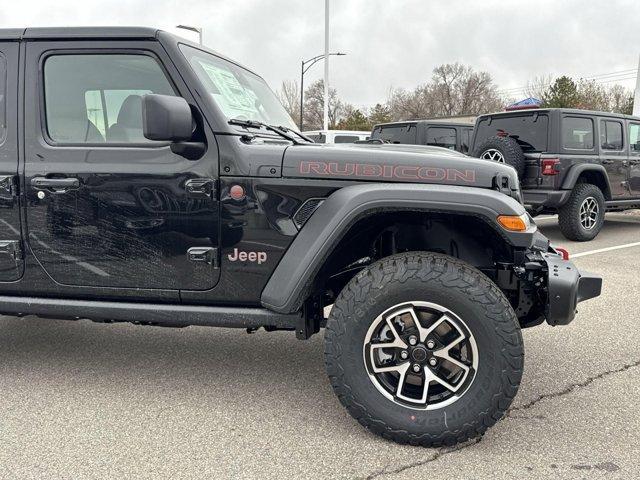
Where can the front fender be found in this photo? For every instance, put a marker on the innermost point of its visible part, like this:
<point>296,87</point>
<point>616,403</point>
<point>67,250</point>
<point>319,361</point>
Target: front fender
<point>292,279</point>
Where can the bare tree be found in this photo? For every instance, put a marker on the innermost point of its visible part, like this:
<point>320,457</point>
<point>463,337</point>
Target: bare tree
<point>592,95</point>
<point>289,96</point>
<point>620,100</point>
<point>454,90</point>
<point>539,87</point>
<point>314,106</point>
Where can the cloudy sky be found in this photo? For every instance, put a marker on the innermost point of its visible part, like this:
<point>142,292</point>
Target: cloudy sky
<point>390,43</point>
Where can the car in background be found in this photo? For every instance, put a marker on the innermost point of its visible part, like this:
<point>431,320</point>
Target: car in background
<point>438,133</point>
<point>337,136</point>
<point>578,164</point>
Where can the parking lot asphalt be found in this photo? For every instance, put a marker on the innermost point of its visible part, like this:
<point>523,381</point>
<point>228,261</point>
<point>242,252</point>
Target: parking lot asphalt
<point>85,400</point>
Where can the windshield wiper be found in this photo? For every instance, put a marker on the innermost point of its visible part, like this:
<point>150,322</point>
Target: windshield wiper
<point>301,135</point>
<point>257,124</point>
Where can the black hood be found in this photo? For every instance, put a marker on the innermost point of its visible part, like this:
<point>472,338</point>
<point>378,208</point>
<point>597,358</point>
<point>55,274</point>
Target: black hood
<point>397,163</point>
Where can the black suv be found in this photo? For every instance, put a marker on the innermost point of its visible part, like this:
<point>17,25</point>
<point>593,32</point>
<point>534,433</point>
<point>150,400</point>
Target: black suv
<point>437,133</point>
<point>576,163</point>
<point>150,180</point>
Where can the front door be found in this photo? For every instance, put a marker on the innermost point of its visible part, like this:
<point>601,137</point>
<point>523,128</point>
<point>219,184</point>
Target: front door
<point>634,159</point>
<point>614,157</point>
<point>105,207</point>
<point>11,258</point>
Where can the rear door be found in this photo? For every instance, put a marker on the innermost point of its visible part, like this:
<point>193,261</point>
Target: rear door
<point>11,263</point>
<point>614,156</point>
<point>106,207</point>
<point>634,158</point>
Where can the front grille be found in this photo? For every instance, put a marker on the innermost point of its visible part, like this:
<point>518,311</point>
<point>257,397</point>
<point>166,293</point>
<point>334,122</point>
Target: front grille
<point>305,211</point>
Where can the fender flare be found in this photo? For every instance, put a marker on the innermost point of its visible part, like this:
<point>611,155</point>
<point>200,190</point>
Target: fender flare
<point>574,173</point>
<point>293,277</point>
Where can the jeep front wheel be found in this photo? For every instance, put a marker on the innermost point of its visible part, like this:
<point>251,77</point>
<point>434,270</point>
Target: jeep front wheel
<point>582,217</point>
<point>422,348</point>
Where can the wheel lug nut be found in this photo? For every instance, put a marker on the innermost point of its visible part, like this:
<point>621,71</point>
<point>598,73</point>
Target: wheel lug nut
<point>433,361</point>
<point>431,344</point>
<point>416,367</point>
<point>404,354</point>
<point>413,340</point>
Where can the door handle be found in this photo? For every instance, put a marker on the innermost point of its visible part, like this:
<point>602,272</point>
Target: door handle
<point>59,185</point>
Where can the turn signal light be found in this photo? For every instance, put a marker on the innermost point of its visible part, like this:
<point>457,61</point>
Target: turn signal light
<point>549,166</point>
<point>514,223</point>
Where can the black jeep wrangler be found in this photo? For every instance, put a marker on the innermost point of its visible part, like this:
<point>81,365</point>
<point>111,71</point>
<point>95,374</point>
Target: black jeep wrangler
<point>150,180</point>
<point>576,163</point>
<point>434,132</point>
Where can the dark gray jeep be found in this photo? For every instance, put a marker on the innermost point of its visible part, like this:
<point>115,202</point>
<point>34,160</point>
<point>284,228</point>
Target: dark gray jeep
<point>151,180</point>
<point>576,163</point>
<point>438,133</point>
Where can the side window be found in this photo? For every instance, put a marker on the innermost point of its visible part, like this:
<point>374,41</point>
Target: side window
<point>318,138</point>
<point>610,135</point>
<point>577,133</point>
<point>634,138</point>
<point>465,134</point>
<point>3,98</point>
<point>442,137</point>
<point>345,139</point>
<point>97,98</point>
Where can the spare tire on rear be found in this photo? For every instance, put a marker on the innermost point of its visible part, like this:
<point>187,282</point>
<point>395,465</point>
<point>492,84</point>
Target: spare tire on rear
<point>503,150</point>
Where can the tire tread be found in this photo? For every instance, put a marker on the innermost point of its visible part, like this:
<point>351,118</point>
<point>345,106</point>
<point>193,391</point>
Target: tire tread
<point>450,273</point>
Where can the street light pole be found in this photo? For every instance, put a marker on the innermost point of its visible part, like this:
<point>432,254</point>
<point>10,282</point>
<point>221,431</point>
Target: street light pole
<point>326,64</point>
<point>301,92</point>
<point>305,65</point>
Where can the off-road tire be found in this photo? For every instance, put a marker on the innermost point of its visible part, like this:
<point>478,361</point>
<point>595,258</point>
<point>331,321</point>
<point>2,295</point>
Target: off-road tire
<point>508,147</point>
<point>463,289</point>
<point>569,213</point>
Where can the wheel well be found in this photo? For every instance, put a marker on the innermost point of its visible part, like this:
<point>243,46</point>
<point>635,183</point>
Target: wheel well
<point>598,179</point>
<point>468,238</point>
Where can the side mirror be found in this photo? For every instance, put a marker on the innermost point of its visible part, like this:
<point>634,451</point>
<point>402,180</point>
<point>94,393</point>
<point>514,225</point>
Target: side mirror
<point>166,118</point>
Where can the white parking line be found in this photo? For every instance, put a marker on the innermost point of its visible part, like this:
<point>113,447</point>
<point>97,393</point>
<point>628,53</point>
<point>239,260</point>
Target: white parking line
<point>607,249</point>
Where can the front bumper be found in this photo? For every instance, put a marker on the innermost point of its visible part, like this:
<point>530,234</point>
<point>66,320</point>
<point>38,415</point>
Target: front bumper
<point>567,286</point>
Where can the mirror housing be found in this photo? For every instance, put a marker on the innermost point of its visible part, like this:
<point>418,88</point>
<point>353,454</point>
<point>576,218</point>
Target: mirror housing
<point>166,118</point>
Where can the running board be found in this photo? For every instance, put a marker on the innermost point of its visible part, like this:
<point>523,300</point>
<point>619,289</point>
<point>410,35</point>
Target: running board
<point>149,314</point>
<point>623,203</point>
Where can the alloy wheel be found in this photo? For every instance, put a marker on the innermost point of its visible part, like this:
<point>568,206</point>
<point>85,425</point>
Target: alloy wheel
<point>493,154</point>
<point>589,211</point>
<point>420,355</point>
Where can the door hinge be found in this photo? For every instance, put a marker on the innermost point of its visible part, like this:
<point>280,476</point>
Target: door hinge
<point>208,255</point>
<point>11,248</point>
<point>201,187</point>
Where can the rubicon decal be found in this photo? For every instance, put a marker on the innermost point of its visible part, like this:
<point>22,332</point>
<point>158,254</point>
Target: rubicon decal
<point>399,172</point>
<point>242,256</point>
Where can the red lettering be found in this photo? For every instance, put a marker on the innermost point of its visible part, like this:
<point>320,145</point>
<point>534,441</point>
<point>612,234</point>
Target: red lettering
<point>338,169</point>
<point>468,176</point>
<point>405,172</point>
<point>368,170</point>
<point>316,167</point>
<point>428,173</point>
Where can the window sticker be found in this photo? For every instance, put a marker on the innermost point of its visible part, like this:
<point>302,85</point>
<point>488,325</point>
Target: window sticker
<point>233,97</point>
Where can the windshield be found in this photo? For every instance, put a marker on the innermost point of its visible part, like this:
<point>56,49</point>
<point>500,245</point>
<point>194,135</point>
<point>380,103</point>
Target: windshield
<point>238,93</point>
